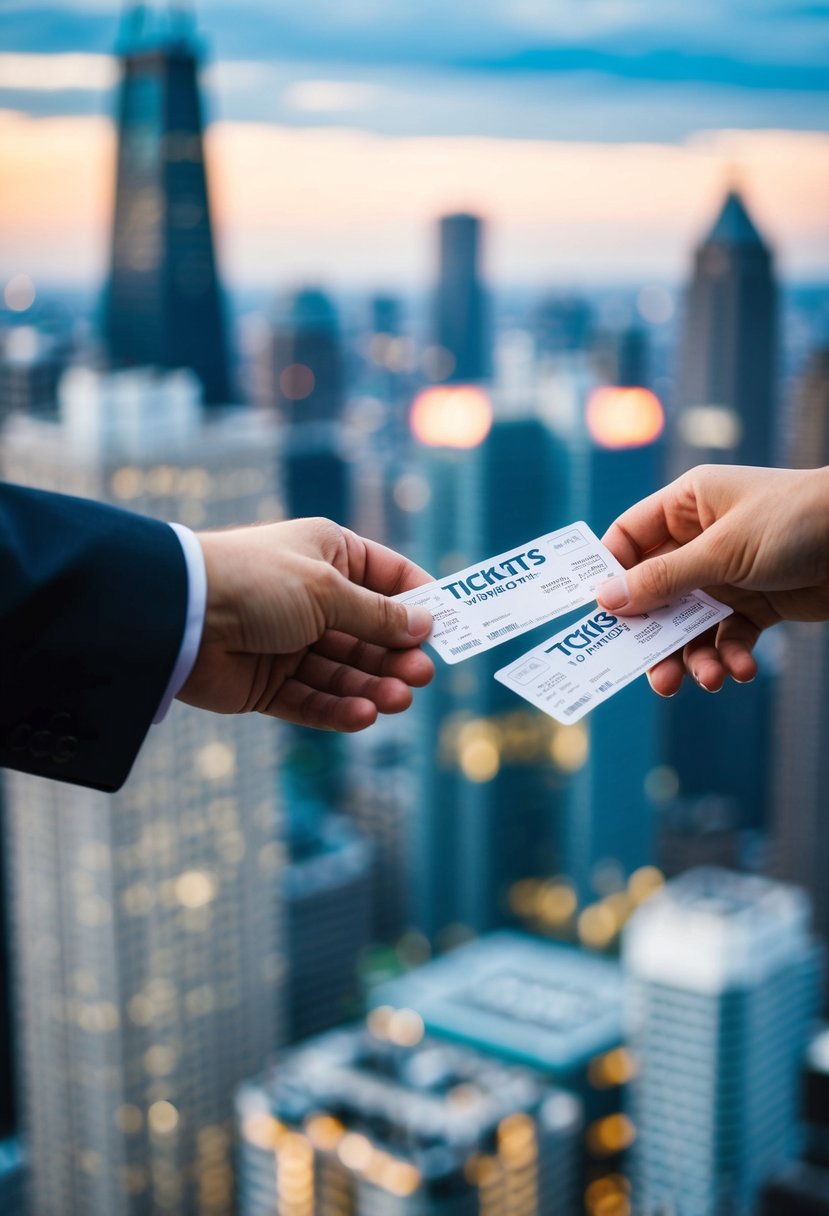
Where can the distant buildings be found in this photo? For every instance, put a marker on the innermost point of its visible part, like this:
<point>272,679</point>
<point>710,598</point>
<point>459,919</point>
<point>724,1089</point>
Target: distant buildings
<point>725,980</point>
<point>554,1008</point>
<point>801,763</point>
<point>162,305</point>
<point>461,328</point>
<point>727,387</point>
<point>145,924</point>
<point>326,890</point>
<point>381,1122</point>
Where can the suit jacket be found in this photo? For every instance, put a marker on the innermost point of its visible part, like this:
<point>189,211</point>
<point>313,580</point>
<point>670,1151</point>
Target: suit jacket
<point>92,612</point>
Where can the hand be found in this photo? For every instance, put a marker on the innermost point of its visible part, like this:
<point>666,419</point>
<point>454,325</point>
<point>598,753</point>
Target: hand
<point>298,626</point>
<point>758,539</point>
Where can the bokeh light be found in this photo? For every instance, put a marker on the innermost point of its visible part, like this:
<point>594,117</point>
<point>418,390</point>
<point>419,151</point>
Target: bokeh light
<point>19,293</point>
<point>624,417</point>
<point>451,416</point>
<point>296,381</point>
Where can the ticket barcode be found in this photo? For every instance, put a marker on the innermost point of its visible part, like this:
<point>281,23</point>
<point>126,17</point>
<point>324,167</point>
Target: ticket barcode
<point>499,633</point>
<point>571,709</point>
<point>604,687</point>
<point>465,646</point>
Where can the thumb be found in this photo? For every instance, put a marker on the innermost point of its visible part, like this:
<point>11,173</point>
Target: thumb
<point>375,618</point>
<point>659,580</point>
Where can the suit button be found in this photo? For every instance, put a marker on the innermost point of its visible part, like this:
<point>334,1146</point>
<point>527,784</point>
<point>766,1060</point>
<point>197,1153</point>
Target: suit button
<point>66,748</point>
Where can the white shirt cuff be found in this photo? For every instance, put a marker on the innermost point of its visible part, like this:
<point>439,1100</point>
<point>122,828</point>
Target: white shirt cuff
<point>194,623</point>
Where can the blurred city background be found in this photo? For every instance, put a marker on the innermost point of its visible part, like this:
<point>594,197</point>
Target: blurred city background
<point>456,276</point>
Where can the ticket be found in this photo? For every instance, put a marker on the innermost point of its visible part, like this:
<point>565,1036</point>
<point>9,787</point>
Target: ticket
<point>504,596</point>
<point>575,670</point>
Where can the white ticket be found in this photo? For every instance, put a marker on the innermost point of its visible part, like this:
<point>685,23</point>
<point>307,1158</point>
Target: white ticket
<point>575,670</point>
<point>504,596</point>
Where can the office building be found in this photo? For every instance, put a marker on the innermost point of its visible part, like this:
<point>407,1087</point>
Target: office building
<point>461,325</point>
<point>726,393</point>
<point>724,980</point>
<point>382,1122</point>
<point>562,324</point>
<point>800,827</point>
<point>381,803</point>
<point>309,395</point>
<point>326,890</point>
<point>613,436</point>
<point>803,1190</point>
<point>162,303</point>
<point>145,925</point>
<point>487,785</point>
<point>726,411</point>
<point>12,1177</point>
<point>553,1008</point>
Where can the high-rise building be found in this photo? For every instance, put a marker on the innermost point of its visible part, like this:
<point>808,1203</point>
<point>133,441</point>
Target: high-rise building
<point>726,411</point>
<point>728,362</point>
<point>309,394</point>
<point>613,439</point>
<point>554,1008</point>
<point>11,1152</point>
<point>487,782</point>
<point>163,305</point>
<point>461,329</point>
<point>381,1122</point>
<point>326,890</point>
<point>147,941</point>
<point>12,1177</point>
<point>800,826</point>
<point>724,985</point>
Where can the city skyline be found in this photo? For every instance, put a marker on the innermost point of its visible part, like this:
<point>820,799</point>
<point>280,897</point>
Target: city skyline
<point>537,143</point>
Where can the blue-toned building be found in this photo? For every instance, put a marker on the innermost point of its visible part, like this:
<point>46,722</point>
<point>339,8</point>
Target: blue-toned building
<point>162,305</point>
<point>489,790</point>
<point>554,1008</point>
<point>379,1121</point>
<point>461,328</point>
<point>724,985</point>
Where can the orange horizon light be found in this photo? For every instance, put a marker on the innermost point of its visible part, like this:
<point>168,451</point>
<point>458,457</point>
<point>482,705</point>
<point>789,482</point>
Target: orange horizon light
<point>451,416</point>
<point>624,417</point>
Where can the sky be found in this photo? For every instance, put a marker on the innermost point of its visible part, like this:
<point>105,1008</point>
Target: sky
<point>597,136</point>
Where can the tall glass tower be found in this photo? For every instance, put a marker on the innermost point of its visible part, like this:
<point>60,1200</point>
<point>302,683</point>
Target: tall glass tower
<point>163,304</point>
<point>460,307</point>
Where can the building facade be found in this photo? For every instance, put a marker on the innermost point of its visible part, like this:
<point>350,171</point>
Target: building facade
<point>145,924</point>
<point>724,986</point>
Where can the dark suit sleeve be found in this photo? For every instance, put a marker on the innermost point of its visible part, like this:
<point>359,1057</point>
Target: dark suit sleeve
<point>92,612</point>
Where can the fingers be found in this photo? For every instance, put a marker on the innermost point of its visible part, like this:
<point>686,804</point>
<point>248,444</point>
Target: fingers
<point>665,577</point>
<point>711,658</point>
<point>665,677</point>
<point>414,667</point>
<point>703,662</point>
<point>736,639</point>
<point>379,568</point>
<point>390,695</point>
<point>370,616</point>
<point>305,706</point>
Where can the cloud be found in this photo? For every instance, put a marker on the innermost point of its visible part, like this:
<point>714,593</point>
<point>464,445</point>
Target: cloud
<point>56,73</point>
<point>330,96</point>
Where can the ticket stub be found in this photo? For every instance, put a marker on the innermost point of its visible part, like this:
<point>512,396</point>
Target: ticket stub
<point>575,670</point>
<point>504,596</point>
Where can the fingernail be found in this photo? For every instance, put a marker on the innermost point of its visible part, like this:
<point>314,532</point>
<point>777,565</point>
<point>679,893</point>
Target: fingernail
<point>614,593</point>
<point>750,679</point>
<point>419,620</point>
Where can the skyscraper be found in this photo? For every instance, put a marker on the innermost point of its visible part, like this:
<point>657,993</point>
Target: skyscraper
<point>163,305</point>
<point>487,783</point>
<point>461,328</point>
<point>726,411</point>
<point>145,923</point>
<point>382,1122</point>
<point>800,822</point>
<point>326,892</point>
<point>309,394</point>
<point>724,986</point>
<point>728,363</point>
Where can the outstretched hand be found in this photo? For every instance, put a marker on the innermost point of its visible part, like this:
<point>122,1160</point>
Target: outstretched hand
<point>757,539</point>
<point>298,626</point>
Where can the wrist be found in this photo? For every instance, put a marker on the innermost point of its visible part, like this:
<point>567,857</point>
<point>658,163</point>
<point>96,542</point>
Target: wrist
<point>220,616</point>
